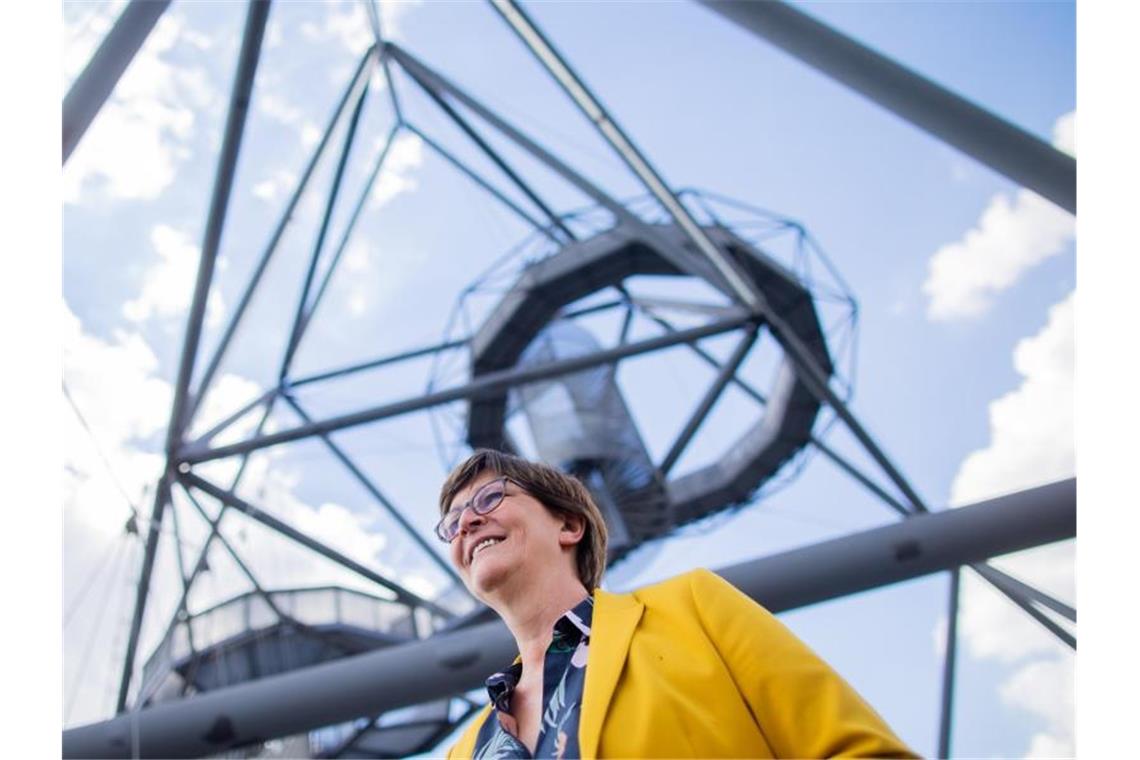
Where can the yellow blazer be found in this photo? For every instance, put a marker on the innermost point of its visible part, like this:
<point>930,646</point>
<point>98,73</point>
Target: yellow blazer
<point>692,667</point>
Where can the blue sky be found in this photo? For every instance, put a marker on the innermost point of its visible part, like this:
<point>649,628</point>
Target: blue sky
<point>964,283</point>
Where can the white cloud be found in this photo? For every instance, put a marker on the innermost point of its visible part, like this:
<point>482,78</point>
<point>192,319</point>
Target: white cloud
<point>168,285</point>
<point>1065,133</point>
<point>275,186</point>
<point>273,103</point>
<point>277,107</point>
<point>127,405</point>
<point>310,134</point>
<point>993,627</point>
<point>1031,428</point>
<point>84,27</point>
<point>1011,237</point>
<point>356,258</point>
<point>114,385</point>
<point>227,394</point>
<point>125,401</point>
<point>398,174</point>
<point>138,140</point>
<point>1045,688</point>
<point>1031,442</point>
<point>346,22</point>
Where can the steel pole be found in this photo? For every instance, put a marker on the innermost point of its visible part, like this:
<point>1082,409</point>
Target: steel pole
<point>255,22</point>
<point>95,83</point>
<point>629,153</point>
<point>484,385</point>
<point>745,291</point>
<point>947,714</point>
<point>1004,147</point>
<point>228,498</point>
<point>275,238</point>
<point>450,663</point>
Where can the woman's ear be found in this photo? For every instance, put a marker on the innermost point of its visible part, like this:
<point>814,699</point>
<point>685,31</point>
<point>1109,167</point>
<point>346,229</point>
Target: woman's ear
<point>573,528</point>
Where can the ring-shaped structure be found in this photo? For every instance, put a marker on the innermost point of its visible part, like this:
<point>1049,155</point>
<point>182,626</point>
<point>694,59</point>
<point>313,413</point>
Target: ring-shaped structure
<point>587,266</point>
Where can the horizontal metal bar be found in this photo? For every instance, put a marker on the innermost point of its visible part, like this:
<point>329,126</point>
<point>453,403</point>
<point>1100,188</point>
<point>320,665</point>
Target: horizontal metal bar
<point>454,662</point>
<point>586,310</point>
<point>675,304</point>
<point>489,384</point>
<point>269,521</point>
<point>413,354</point>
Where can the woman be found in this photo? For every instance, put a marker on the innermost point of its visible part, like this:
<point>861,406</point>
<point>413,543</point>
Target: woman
<point>690,667</point>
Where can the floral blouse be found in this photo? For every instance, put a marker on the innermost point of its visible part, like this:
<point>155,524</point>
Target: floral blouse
<point>563,676</point>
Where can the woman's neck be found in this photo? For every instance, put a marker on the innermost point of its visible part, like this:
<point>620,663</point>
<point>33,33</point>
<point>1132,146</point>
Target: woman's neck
<point>531,617</point>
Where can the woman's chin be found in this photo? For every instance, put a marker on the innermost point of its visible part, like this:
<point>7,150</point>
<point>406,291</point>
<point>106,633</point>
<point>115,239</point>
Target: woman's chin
<point>487,575</point>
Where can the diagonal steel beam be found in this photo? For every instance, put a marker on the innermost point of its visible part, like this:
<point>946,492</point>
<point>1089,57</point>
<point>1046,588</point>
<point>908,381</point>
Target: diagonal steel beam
<point>95,83</point>
<point>233,553</point>
<point>348,228</point>
<point>494,191</point>
<point>826,450</point>
<point>1025,604</point>
<point>183,576</point>
<point>378,35</point>
<point>203,552</point>
<point>445,664</point>
<point>997,577</point>
<point>1000,145</point>
<point>264,399</point>
<point>745,291</point>
<point>275,238</point>
<point>489,384</point>
<point>256,18</point>
<point>492,154</point>
<point>633,158</point>
<point>228,497</point>
<point>330,205</point>
<point>377,494</point>
<point>428,77</point>
<point>727,372</point>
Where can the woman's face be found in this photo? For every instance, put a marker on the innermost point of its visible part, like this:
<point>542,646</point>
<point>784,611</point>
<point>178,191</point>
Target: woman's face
<point>518,541</point>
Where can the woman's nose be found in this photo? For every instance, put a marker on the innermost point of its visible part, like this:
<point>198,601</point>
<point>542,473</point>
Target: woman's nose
<point>468,519</point>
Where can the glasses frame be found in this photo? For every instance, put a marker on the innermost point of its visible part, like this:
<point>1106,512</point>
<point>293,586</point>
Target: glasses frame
<point>470,504</point>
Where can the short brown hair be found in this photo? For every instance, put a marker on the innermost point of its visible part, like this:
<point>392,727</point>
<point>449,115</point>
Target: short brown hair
<point>558,492</point>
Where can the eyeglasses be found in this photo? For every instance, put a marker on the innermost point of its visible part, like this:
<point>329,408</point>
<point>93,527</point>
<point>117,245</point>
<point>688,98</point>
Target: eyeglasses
<point>485,500</point>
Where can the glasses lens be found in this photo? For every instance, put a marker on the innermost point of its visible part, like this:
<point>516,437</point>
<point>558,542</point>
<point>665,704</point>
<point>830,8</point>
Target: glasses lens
<point>488,498</point>
<point>450,525</point>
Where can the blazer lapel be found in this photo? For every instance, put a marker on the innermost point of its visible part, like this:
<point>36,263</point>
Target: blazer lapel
<point>614,621</point>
